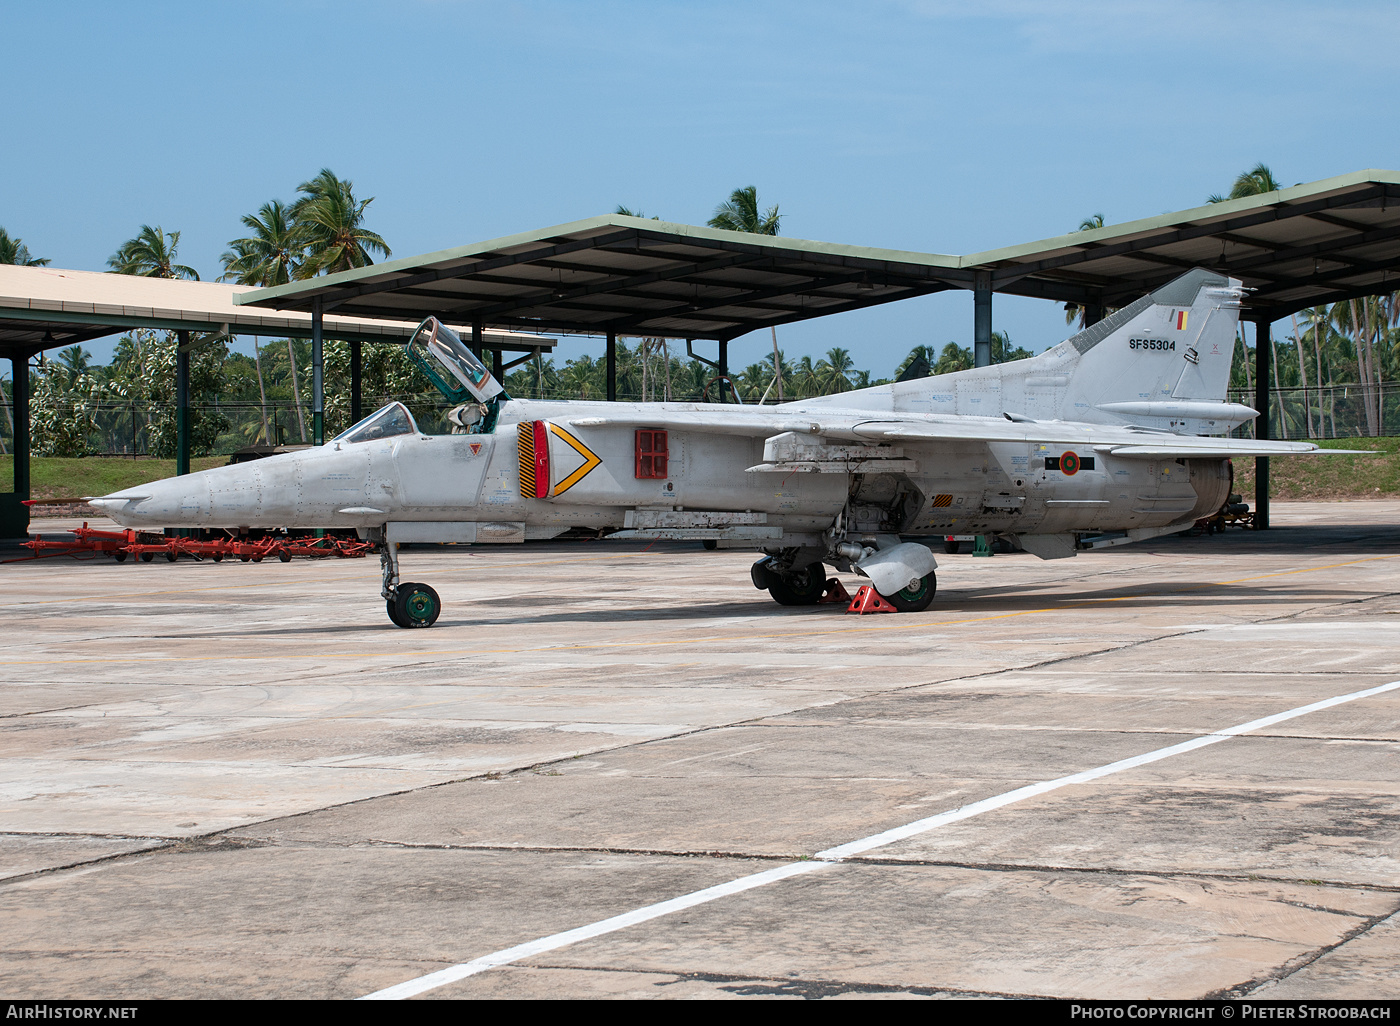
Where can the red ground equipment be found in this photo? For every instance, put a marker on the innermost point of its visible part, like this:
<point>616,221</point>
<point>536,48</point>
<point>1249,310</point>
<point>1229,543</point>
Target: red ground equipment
<point>121,544</point>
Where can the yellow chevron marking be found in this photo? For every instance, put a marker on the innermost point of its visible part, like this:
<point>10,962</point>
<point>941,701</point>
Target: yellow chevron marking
<point>590,460</point>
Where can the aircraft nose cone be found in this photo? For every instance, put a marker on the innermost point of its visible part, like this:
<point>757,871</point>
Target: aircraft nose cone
<point>174,502</point>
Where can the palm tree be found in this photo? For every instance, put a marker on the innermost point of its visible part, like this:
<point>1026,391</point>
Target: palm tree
<point>75,362</point>
<point>151,255</point>
<point>1254,182</point>
<point>332,221</point>
<point>1074,311</point>
<point>740,213</point>
<point>14,251</point>
<point>834,372</point>
<point>270,256</point>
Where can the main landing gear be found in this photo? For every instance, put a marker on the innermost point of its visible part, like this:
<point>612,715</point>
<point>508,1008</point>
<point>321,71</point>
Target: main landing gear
<point>408,605</point>
<point>807,586</point>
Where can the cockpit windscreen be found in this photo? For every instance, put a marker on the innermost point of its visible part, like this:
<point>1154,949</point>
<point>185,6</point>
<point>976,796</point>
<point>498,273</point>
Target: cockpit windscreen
<point>392,420</point>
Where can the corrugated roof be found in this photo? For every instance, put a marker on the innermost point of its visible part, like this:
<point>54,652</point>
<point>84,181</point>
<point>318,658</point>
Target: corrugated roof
<point>628,275</point>
<point>1298,247</point>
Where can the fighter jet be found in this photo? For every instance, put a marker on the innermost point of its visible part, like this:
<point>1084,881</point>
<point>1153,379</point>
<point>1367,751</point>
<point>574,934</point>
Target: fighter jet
<point>1115,435</point>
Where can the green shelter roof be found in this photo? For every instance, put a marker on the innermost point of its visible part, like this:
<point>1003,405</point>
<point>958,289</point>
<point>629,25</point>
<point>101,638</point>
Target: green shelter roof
<point>1299,247</point>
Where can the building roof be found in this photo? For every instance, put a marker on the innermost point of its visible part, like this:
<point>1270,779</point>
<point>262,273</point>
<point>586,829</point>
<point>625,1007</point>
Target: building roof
<point>1299,247</point>
<point>73,306</point>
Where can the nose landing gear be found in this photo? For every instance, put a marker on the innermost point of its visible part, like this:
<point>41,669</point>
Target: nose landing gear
<point>408,605</point>
<point>415,605</point>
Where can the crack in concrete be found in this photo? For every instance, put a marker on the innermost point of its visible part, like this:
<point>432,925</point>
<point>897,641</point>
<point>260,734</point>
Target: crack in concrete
<point>779,986</point>
<point>1252,986</point>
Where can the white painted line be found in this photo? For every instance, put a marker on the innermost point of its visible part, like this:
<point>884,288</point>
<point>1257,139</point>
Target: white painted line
<point>832,856</point>
<point>598,929</point>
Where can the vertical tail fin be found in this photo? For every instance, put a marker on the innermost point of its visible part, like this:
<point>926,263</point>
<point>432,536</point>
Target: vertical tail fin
<point>1161,362</point>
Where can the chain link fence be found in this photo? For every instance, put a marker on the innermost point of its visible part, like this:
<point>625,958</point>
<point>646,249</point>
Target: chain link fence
<point>1331,411</point>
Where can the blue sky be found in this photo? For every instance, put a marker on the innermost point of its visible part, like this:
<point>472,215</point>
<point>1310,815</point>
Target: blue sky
<point>923,125</point>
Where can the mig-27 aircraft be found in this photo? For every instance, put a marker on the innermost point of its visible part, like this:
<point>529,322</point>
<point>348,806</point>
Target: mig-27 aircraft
<point>1114,435</point>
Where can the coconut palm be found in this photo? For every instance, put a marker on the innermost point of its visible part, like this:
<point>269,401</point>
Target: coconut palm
<point>1073,311</point>
<point>1254,182</point>
<point>151,255</point>
<point>73,363</point>
<point>270,256</point>
<point>834,372</point>
<point>740,213</point>
<point>332,222</point>
<point>14,251</point>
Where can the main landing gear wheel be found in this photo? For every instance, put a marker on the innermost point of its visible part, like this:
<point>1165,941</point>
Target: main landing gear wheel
<point>415,605</point>
<point>914,599</point>
<point>803,587</point>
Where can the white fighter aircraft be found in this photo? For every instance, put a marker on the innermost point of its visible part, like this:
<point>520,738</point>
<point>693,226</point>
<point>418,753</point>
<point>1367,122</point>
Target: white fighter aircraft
<point>1114,435</point>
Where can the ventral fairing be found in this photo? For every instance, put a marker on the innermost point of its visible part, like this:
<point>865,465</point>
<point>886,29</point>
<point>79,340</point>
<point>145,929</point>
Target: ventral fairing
<point>1116,434</point>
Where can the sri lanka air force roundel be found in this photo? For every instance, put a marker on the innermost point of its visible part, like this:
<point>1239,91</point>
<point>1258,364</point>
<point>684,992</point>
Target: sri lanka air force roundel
<point>1069,464</point>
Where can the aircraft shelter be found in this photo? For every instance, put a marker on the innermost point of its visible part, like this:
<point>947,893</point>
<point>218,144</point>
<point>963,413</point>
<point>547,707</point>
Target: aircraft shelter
<point>1313,244</point>
<point>49,308</point>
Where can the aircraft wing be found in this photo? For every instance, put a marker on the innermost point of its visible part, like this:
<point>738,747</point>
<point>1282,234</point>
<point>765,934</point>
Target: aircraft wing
<point>860,426</point>
<point>847,425</point>
<point>1213,447</point>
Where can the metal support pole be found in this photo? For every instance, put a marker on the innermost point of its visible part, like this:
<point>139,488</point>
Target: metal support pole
<point>724,369</point>
<point>356,382</point>
<point>1093,313</point>
<point>498,365</point>
<point>14,514</point>
<point>182,402</point>
<point>19,375</point>
<point>612,367</point>
<point>318,383</point>
<point>982,319</point>
<point>476,339</point>
<point>1262,352</point>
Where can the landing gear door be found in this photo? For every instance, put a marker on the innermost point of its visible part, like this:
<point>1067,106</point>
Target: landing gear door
<point>467,377</point>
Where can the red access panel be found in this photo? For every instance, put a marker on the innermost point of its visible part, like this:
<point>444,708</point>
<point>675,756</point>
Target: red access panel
<point>651,454</point>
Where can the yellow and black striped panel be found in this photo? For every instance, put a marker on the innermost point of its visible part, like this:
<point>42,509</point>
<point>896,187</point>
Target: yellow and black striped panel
<point>942,500</point>
<point>526,432</point>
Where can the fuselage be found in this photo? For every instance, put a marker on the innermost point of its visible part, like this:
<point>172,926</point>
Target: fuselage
<point>1025,485</point>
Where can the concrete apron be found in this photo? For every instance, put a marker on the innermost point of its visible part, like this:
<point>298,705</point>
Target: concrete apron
<point>240,780</point>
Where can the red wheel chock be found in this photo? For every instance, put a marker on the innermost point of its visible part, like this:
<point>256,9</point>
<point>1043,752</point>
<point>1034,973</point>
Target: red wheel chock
<point>868,600</point>
<point>834,592</point>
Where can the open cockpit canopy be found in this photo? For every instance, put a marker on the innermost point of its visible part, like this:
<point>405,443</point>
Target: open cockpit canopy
<point>447,349</point>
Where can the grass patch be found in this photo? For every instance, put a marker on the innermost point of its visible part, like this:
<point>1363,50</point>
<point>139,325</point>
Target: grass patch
<point>1321,478</point>
<point>54,477</point>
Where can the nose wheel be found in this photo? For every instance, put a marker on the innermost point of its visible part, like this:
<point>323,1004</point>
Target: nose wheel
<point>408,605</point>
<point>414,605</point>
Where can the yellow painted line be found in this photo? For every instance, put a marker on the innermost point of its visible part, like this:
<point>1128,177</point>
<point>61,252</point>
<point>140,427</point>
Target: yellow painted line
<point>850,628</point>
